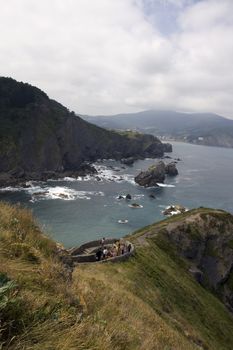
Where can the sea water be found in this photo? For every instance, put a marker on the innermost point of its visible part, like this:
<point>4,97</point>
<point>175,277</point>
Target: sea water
<point>73,211</point>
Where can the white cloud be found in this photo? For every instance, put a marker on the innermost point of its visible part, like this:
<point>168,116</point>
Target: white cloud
<point>106,56</point>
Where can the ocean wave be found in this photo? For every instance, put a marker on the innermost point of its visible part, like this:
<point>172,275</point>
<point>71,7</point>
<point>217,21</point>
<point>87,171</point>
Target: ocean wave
<point>11,189</point>
<point>165,185</point>
<point>64,193</point>
<point>43,192</point>
<point>72,179</point>
<point>112,175</point>
<point>133,196</point>
<point>105,173</point>
<point>123,221</point>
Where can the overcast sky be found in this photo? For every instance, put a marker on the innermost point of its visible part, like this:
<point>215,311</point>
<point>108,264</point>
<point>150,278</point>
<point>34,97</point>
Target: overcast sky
<point>112,56</point>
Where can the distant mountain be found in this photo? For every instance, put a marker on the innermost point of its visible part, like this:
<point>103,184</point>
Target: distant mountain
<point>39,135</point>
<point>200,128</point>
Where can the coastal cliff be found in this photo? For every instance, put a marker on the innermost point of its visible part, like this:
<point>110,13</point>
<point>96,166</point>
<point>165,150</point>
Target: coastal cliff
<point>39,136</point>
<point>152,301</point>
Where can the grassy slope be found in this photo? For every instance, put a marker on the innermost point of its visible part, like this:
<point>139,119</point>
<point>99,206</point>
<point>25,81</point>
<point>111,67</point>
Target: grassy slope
<point>148,302</point>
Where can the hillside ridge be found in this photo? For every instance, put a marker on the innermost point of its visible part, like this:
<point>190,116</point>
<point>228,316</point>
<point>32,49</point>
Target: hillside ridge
<point>40,138</point>
<point>151,301</point>
<point>198,128</point>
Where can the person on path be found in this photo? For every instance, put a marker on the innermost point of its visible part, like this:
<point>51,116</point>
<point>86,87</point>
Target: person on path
<point>118,248</point>
<point>105,253</point>
<point>102,241</point>
<point>99,254</point>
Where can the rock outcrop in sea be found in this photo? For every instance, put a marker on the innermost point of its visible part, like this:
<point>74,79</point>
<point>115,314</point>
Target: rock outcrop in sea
<point>127,161</point>
<point>156,174</point>
<point>171,169</point>
<point>153,175</point>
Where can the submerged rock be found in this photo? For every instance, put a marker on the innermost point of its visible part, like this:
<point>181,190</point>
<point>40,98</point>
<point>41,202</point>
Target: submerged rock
<point>150,177</point>
<point>127,161</point>
<point>41,193</point>
<point>135,205</point>
<point>63,196</point>
<point>120,197</point>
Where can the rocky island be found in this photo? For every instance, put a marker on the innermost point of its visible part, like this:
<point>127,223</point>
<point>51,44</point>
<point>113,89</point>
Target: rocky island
<point>156,174</point>
<point>41,139</point>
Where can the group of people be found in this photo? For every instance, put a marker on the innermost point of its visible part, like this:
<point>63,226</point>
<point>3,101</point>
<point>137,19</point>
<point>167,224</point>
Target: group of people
<point>116,249</point>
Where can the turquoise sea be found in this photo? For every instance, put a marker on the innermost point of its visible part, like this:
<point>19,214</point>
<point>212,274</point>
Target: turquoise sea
<point>76,211</point>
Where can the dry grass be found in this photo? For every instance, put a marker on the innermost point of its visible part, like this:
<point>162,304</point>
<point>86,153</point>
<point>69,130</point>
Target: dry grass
<point>127,321</point>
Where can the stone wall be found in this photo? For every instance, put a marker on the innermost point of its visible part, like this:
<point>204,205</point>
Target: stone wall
<point>92,244</point>
<point>78,256</point>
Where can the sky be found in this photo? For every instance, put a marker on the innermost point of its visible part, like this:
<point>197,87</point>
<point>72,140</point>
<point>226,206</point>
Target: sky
<point>113,56</point>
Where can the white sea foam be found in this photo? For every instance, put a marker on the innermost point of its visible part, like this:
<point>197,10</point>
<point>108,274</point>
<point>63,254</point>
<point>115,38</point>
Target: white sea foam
<point>138,196</point>
<point>70,179</point>
<point>112,175</point>
<point>63,193</point>
<point>173,212</point>
<point>104,174</point>
<point>165,185</point>
<point>133,197</point>
<point>129,178</point>
<point>43,192</point>
<point>124,221</point>
<point>11,189</point>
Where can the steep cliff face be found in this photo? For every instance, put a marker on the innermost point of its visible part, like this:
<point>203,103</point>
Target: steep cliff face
<point>38,134</point>
<point>204,238</point>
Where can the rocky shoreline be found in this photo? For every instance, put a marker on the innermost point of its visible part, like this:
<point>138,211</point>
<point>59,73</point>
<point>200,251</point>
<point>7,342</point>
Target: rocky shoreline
<point>20,177</point>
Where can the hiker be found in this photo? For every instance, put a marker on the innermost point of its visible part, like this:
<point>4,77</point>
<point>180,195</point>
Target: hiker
<point>99,254</point>
<point>110,253</point>
<point>105,252</point>
<point>129,247</point>
<point>113,250</point>
<point>118,248</point>
<point>102,241</point>
<point>123,249</point>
